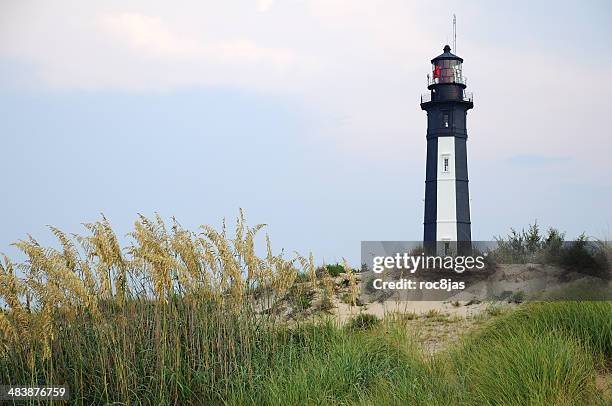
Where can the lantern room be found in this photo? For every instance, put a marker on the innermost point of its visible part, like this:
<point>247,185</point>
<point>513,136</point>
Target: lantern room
<point>446,68</point>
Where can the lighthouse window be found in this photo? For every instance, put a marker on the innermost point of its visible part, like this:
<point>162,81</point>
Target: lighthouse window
<point>445,164</point>
<point>445,120</point>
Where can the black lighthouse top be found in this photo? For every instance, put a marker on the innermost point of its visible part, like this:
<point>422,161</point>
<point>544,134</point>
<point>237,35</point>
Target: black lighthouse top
<point>446,82</point>
<point>446,56</point>
<point>446,68</point>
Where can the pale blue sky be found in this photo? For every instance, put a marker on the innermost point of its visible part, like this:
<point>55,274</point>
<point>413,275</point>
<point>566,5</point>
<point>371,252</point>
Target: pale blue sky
<point>304,113</point>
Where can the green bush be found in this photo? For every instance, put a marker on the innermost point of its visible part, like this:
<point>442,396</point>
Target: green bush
<point>582,255</point>
<point>529,245</point>
<point>588,257</point>
<point>363,321</point>
<point>334,269</point>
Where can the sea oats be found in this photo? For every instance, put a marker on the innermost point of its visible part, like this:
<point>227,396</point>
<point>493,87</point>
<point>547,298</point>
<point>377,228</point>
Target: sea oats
<point>188,294</point>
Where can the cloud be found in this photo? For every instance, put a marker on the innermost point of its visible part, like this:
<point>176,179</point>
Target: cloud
<point>264,5</point>
<point>148,34</point>
<point>98,49</point>
<point>359,66</point>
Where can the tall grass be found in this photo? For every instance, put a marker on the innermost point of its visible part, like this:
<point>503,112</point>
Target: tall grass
<point>169,318</point>
<point>542,354</point>
<point>588,322</point>
<point>188,318</point>
<point>547,369</point>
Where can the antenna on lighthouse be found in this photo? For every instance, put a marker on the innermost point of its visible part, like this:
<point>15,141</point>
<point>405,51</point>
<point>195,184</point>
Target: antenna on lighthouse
<point>455,33</point>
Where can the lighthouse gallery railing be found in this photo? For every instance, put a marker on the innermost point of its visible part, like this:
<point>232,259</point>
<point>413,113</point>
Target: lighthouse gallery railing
<point>467,96</point>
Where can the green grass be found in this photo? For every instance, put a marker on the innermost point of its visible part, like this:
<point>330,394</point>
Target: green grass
<point>549,369</point>
<point>589,322</point>
<point>540,354</point>
<point>357,369</point>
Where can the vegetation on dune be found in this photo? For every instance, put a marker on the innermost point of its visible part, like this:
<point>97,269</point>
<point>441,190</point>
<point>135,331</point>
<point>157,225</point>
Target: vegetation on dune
<point>542,353</point>
<point>180,317</point>
<point>172,316</point>
<point>588,322</point>
<point>549,369</point>
<point>592,257</point>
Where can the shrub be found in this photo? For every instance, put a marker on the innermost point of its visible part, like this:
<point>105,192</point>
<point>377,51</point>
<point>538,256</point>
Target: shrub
<point>518,247</point>
<point>582,255</point>
<point>334,270</point>
<point>552,246</point>
<point>588,257</point>
<point>517,297</point>
<point>363,321</point>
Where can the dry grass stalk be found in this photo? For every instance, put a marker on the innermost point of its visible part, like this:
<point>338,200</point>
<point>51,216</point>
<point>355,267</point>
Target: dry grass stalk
<point>353,288</point>
<point>92,280</point>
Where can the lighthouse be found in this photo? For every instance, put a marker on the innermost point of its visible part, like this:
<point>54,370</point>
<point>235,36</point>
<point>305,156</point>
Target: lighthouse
<point>447,198</point>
